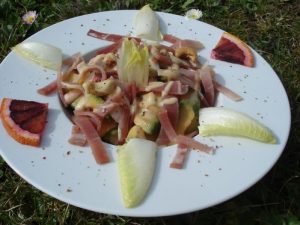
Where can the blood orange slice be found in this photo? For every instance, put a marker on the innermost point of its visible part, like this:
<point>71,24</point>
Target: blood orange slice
<point>24,120</point>
<point>232,49</point>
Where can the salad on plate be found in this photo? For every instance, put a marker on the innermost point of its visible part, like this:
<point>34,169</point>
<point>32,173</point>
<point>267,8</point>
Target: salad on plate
<point>142,92</point>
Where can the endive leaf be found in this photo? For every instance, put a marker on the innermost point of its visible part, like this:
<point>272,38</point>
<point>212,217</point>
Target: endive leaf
<point>45,55</point>
<point>221,121</point>
<point>136,164</point>
<point>146,24</point>
<point>133,63</point>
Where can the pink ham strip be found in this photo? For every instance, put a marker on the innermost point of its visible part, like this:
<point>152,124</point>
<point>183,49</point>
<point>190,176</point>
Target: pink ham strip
<point>112,103</point>
<point>48,89</point>
<point>186,81</point>
<point>177,42</point>
<point>108,37</point>
<point>170,38</point>
<point>93,117</point>
<point>52,87</point>
<point>110,48</point>
<point>179,158</point>
<point>189,73</point>
<point>206,75</point>
<point>163,60</point>
<point>166,127</point>
<point>131,90</point>
<point>181,139</point>
<point>122,117</point>
<point>69,61</point>
<point>77,138</point>
<point>191,143</point>
<point>188,43</point>
<point>181,153</point>
<point>172,114</point>
<point>93,139</point>
<point>227,92</point>
<point>104,36</point>
<point>177,88</point>
<point>203,101</point>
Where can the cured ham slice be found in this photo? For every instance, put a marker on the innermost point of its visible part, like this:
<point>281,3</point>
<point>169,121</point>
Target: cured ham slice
<point>168,118</point>
<point>131,91</point>
<point>92,116</point>
<point>108,37</point>
<point>188,43</point>
<point>175,87</point>
<point>227,92</point>
<point>179,158</point>
<point>104,36</point>
<point>110,48</point>
<point>191,143</point>
<point>77,137</point>
<point>93,139</point>
<point>122,116</point>
<point>163,60</point>
<point>206,75</point>
<point>180,155</point>
<point>170,38</point>
<point>48,89</point>
<point>186,81</point>
<point>177,42</point>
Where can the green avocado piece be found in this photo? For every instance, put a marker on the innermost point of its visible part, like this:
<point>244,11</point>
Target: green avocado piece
<point>87,101</point>
<point>148,121</point>
<point>188,113</point>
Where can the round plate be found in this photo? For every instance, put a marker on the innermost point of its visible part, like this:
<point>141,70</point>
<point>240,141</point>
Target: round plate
<point>70,173</point>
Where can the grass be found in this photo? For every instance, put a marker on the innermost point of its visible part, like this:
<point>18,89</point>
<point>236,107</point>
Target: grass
<point>272,28</point>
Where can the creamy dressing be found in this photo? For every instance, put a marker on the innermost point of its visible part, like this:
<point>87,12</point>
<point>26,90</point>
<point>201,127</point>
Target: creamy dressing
<point>153,85</point>
<point>148,100</point>
<point>97,60</point>
<point>167,89</point>
<point>167,101</point>
<point>81,67</point>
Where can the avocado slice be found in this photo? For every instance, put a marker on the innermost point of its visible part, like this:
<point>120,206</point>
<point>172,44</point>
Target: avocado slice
<point>87,101</point>
<point>136,132</point>
<point>104,87</point>
<point>148,121</point>
<point>189,108</point>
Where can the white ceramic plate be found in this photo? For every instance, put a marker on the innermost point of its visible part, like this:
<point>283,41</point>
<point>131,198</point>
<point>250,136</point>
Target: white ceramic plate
<point>69,173</point>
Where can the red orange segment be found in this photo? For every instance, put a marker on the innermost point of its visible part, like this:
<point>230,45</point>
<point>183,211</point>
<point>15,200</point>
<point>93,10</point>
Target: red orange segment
<point>21,116</point>
<point>24,120</point>
<point>231,49</point>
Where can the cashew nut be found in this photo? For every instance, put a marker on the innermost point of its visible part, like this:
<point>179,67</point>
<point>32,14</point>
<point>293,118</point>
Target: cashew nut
<point>186,53</point>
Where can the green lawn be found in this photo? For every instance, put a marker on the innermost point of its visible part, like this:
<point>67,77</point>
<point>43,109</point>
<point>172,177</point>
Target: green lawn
<point>271,27</point>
